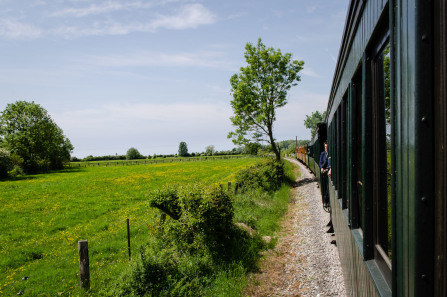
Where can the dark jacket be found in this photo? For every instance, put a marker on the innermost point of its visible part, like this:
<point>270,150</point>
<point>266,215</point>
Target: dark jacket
<point>324,160</point>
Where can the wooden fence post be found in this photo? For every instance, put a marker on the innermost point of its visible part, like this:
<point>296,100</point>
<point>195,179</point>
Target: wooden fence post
<point>84,271</point>
<point>235,188</point>
<point>229,186</point>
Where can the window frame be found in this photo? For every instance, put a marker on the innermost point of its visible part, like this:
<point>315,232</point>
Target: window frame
<point>379,160</point>
<point>355,150</point>
<point>374,155</point>
<point>344,151</point>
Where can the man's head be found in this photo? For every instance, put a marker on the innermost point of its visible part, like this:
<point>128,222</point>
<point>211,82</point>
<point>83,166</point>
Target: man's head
<point>325,146</point>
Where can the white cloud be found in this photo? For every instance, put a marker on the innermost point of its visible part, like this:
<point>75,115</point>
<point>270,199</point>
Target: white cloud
<point>96,29</point>
<point>108,6</point>
<point>213,59</point>
<point>91,10</point>
<point>309,72</point>
<point>189,16</point>
<point>16,30</point>
<point>161,115</point>
<point>186,17</point>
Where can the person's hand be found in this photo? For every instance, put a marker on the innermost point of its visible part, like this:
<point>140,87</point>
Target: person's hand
<point>330,172</point>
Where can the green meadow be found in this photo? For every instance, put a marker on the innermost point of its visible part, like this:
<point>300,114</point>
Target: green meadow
<point>43,216</point>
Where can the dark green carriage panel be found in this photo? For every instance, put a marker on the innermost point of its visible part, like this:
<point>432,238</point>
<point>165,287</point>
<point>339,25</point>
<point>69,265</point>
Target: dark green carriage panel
<point>361,275</point>
<point>356,272</point>
<point>414,149</point>
<point>440,56</point>
<point>351,52</point>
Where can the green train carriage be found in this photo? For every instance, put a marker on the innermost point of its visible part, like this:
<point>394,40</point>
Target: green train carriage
<point>386,127</point>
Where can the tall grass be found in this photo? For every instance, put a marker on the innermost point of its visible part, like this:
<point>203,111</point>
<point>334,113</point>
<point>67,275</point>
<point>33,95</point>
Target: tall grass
<point>261,211</point>
<point>167,267</point>
<point>43,216</point>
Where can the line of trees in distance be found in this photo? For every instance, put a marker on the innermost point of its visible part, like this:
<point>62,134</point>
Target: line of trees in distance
<point>286,146</point>
<point>134,154</point>
<point>30,142</point>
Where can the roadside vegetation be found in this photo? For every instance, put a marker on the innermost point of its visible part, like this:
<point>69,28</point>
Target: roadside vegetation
<point>208,238</point>
<point>44,215</point>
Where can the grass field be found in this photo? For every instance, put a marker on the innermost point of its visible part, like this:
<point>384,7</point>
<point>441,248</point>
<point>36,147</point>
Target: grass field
<point>158,160</point>
<point>43,216</point>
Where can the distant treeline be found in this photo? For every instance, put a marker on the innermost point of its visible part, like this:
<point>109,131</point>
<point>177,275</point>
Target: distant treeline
<point>124,157</point>
<point>286,146</point>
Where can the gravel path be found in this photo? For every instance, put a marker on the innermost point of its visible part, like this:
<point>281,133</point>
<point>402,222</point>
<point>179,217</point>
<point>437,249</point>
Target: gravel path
<point>304,262</point>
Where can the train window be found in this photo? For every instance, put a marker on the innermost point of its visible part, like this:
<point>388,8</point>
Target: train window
<point>337,150</point>
<point>356,152</point>
<point>345,112</point>
<point>334,160</point>
<point>381,129</point>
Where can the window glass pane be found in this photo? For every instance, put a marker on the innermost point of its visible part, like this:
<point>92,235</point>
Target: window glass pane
<point>382,155</point>
<point>345,153</point>
<point>357,85</point>
<point>387,95</point>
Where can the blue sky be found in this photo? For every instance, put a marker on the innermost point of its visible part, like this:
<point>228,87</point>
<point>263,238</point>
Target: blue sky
<point>149,74</point>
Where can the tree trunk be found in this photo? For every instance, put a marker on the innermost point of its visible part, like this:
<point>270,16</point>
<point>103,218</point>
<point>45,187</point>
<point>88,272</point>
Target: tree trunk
<point>274,148</point>
<point>276,151</point>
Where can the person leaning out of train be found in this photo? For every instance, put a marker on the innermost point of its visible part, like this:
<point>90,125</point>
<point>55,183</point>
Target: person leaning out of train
<point>325,169</point>
<point>324,160</point>
<point>326,173</point>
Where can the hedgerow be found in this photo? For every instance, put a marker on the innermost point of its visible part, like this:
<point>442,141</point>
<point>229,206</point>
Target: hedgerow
<point>267,175</point>
<point>197,245</point>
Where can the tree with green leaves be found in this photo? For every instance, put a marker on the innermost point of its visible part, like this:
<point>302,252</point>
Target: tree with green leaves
<point>311,121</point>
<point>5,163</point>
<point>252,148</point>
<point>33,138</point>
<point>259,90</point>
<point>209,150</point>
<point>133,154</point>
<point>183,149</point>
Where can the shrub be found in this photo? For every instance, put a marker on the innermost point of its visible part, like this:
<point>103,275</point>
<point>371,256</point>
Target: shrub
<point>267,174</point>
<point>162,270</point>
<point>197,249</point>
<point>191,245</point>
<point>17,171</point>
<point>5,162</point>
<point>201,217</point>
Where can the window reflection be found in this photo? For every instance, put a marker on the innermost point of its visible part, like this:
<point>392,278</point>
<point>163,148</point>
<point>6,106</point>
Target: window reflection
<point>382,155</point>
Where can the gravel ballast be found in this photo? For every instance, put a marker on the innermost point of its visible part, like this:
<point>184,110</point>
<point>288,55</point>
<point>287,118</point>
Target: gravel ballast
<point>304,262</point>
